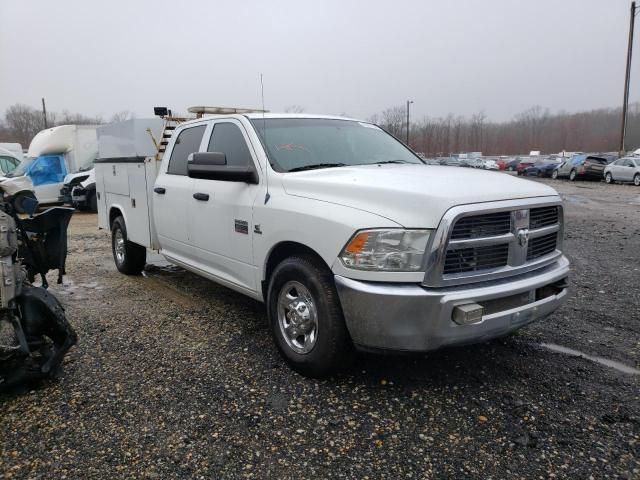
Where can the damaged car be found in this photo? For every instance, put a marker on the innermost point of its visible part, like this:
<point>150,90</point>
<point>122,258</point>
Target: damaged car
<point>34,332</point>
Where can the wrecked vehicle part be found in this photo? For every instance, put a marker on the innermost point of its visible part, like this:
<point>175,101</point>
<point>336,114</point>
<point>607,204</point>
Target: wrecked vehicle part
<point>34,332</point>
<point>44,242</point>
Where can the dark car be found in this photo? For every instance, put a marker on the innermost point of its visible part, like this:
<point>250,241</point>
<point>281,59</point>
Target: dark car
<point>588,167</point>
<point>542,168</point>
<point>512,164</point>
<point>523,165</point>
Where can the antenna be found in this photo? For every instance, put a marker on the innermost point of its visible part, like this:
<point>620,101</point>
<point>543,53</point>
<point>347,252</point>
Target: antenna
<point>266,153</point>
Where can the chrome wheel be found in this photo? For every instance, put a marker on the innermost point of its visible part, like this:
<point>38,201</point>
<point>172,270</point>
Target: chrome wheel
<point>636,180</point>
<point>297,317</point>
<point>607,178</point>
<point>119,246</point>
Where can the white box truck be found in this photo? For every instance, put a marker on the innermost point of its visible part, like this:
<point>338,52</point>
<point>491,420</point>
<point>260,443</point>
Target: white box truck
<point>52,155</point>
<point>346,235</point>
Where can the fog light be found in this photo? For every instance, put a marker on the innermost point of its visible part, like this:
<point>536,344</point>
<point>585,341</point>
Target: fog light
<point>466,314</point>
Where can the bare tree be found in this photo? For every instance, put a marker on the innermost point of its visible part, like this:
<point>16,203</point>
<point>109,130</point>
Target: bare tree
<point>122,115</point>
<point>393,120</point>
<point>23,122</point>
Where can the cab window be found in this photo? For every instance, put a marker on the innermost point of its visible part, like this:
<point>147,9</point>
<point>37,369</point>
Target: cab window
<point>227,138</point>
<point>188,142</point>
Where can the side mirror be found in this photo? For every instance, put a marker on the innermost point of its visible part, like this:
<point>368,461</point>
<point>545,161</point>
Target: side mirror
<point>213,166</point>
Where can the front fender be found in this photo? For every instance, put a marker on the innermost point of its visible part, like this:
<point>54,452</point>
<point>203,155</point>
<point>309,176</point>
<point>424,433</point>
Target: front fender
<point>321,226</point>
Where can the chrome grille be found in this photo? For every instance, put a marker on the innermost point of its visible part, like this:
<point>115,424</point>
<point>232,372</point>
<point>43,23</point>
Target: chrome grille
<point>543,217</point>
<point>482,226</point>
<point>476,258</point>
<point>474,245</point>
<point>541,246</point>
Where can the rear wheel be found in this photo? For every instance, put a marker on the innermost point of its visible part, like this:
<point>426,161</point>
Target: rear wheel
<point>554,174</point>
<point>306,318</point>
<point>636,179</point>
<point>130,258</point>
<point>572,175</point>
<point>608,178</point>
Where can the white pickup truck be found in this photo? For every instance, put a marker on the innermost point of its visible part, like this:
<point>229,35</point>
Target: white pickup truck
<point>341,230</point>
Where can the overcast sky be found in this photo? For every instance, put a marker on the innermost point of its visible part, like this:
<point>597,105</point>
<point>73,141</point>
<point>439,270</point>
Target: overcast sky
<point>354,57</point>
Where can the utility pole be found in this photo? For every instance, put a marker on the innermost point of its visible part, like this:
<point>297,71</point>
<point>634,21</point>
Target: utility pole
<point>44,113</point>
<point>627,78</point>
<point>409,102</point>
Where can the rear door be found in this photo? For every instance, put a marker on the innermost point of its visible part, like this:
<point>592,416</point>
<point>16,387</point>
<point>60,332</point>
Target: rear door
<point>625,170</point>
<point>222,211</point>
<point>172,194</point>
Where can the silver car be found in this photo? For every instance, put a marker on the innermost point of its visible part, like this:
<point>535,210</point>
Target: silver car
<point>626,169</point>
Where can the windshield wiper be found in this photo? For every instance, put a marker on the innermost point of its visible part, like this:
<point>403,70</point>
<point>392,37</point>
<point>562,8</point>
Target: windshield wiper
<point>317,165</point>
<point>389,161</point>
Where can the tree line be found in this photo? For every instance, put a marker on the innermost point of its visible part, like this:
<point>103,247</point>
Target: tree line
<point>534,129</point>
<point>21,122</point>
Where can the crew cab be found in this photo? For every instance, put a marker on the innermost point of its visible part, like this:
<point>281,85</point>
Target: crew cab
<point>345,234</point>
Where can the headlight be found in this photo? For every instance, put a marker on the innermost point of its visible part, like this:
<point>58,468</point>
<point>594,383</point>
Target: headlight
<point>395,250</point>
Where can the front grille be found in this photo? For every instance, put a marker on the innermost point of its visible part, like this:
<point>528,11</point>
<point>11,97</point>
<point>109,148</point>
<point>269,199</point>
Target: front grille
<point>478,226</point>
<point>541,246</point>
<point>476,258</point>
<point>543,217</point>
<point>500,243</point>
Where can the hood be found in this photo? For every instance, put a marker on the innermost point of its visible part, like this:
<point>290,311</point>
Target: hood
<point>13,185</point>
<point>411,195</point>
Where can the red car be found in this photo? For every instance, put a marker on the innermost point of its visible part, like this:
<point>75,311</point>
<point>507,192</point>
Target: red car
<point>502,164</point>
<point>520,168</point>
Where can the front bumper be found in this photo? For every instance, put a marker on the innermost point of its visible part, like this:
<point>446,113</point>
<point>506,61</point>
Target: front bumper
<point>410,317</point>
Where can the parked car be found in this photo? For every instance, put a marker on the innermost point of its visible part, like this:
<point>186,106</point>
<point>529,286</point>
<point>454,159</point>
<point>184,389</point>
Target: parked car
<point>513,163</point>
<point>626,169</point>
<point>502,163</point>
<point>8,161</point>
<point>324,240</point>
<point>490,164</point>
<point>523,165</point>
<point>588,167</point>
<point>543,168</point>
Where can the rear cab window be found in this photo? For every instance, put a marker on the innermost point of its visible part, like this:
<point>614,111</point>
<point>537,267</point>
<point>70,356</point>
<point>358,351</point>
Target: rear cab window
<point>187,142</point>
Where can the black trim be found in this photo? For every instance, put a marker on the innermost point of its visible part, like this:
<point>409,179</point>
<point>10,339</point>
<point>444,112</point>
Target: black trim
<point>120,160</point>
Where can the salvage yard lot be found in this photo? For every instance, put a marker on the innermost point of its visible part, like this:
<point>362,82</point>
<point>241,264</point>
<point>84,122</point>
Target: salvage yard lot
<point>177,377</point>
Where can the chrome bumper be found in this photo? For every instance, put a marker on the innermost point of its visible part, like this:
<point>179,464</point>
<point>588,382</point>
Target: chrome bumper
<point>410,317</point>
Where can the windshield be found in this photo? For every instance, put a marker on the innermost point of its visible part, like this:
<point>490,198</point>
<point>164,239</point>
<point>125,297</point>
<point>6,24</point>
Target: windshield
<point>22,168</point>
<point>305,143</point>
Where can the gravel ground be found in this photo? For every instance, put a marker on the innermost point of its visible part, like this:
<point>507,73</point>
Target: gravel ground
<point>176,377</point>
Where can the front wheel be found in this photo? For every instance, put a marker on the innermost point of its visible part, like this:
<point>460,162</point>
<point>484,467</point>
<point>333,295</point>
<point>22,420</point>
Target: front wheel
<point>608,178</point>
<point>572,175</point>
<point>554,174</point>
<point>306,318</point>
<point>130,258</point>
<point>636,179</point>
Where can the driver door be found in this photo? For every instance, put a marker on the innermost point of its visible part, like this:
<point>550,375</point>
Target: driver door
<point>221,211</point>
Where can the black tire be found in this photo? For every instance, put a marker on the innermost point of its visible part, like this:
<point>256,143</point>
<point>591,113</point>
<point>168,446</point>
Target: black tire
<point>131,258</point>
<point>18,201</point>
<point>92,202</point>
<point>554,174</point>
<point>608,178</point>
<point>572,175</point>
<point>332,347</point>
<point>636,179</point>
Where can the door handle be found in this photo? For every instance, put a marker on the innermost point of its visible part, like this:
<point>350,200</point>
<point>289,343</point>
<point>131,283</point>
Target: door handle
<point>201,196</point>
<point>160,190</point>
